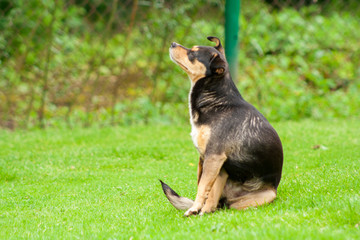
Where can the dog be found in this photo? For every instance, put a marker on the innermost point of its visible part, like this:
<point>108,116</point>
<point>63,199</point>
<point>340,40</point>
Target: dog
<point>241,154</point>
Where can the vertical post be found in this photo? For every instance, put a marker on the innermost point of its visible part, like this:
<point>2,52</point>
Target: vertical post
<point>232,13</point>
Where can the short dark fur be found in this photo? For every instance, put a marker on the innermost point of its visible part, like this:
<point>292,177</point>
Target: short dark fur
<point>252,146</point>
<point>218,103</point>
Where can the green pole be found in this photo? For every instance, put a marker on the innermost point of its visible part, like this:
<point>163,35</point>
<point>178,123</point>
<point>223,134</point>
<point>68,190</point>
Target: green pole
<point>232,13</point>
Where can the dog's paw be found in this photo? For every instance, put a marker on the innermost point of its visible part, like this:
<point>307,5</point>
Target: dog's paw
<point>203,212</point>
<point>191,211</point>
<point>206,210</point>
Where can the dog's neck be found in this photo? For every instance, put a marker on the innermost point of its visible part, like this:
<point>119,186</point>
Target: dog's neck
<point>213,94</point>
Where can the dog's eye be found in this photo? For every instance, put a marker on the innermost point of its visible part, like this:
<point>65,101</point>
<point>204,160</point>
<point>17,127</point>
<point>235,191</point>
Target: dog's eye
<point>191,56</point>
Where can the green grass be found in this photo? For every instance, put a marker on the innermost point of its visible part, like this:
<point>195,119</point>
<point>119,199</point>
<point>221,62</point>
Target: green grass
<point>103,184</point>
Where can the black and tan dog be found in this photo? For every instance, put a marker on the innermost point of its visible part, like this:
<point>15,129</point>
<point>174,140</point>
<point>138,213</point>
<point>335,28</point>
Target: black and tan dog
<point>241,154</point>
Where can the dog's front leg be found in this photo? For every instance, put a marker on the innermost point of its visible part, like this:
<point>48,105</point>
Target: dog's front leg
<point>217,189</point>
<point>211,168</point>
<point>199,170</point>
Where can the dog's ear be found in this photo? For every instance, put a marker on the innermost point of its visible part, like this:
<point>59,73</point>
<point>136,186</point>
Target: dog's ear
<point>218,46</point>
<point>217,65</point>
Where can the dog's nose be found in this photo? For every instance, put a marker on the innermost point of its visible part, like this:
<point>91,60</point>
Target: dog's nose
<point>174,44</point>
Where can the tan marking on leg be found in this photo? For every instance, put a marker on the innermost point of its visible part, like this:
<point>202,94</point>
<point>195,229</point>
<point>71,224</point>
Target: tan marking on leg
<point>254,199</point>
<point>215,193</point>
<point>211,168</point>
<point>235,190</point>
<point>200,165</point>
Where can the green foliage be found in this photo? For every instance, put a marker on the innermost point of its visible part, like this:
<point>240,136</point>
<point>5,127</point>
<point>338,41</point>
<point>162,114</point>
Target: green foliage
<point>102,183</point>
<point>81,63</point>
<point>299,64</point>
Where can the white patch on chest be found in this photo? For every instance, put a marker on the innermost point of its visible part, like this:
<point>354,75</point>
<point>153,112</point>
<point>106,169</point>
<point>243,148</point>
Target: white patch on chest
<point>194,132</point>
<point>200,135</point>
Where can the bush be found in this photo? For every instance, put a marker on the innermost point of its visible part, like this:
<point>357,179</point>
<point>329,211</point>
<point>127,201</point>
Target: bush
<point>299,64</point>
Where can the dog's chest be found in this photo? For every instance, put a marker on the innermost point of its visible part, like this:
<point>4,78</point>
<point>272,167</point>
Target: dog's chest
<point>200,135</point>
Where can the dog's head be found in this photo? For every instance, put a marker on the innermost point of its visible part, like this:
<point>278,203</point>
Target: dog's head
<point>200,61</point>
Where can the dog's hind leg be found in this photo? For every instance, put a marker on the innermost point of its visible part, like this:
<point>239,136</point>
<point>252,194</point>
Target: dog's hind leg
<point>253,199</point>
<point>211,168</point>
<point>215,193</point>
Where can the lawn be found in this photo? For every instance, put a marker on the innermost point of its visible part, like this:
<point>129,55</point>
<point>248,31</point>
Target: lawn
<point>103,184</point>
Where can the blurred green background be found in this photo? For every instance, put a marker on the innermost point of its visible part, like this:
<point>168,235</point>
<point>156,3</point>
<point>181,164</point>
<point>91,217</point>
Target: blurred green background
<point>98,63</point>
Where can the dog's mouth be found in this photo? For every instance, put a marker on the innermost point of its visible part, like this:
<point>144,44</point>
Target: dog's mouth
<point>177,62</point>
<point>181,65</point>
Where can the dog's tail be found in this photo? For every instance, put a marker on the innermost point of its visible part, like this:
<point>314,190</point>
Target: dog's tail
<point>178,202</point>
